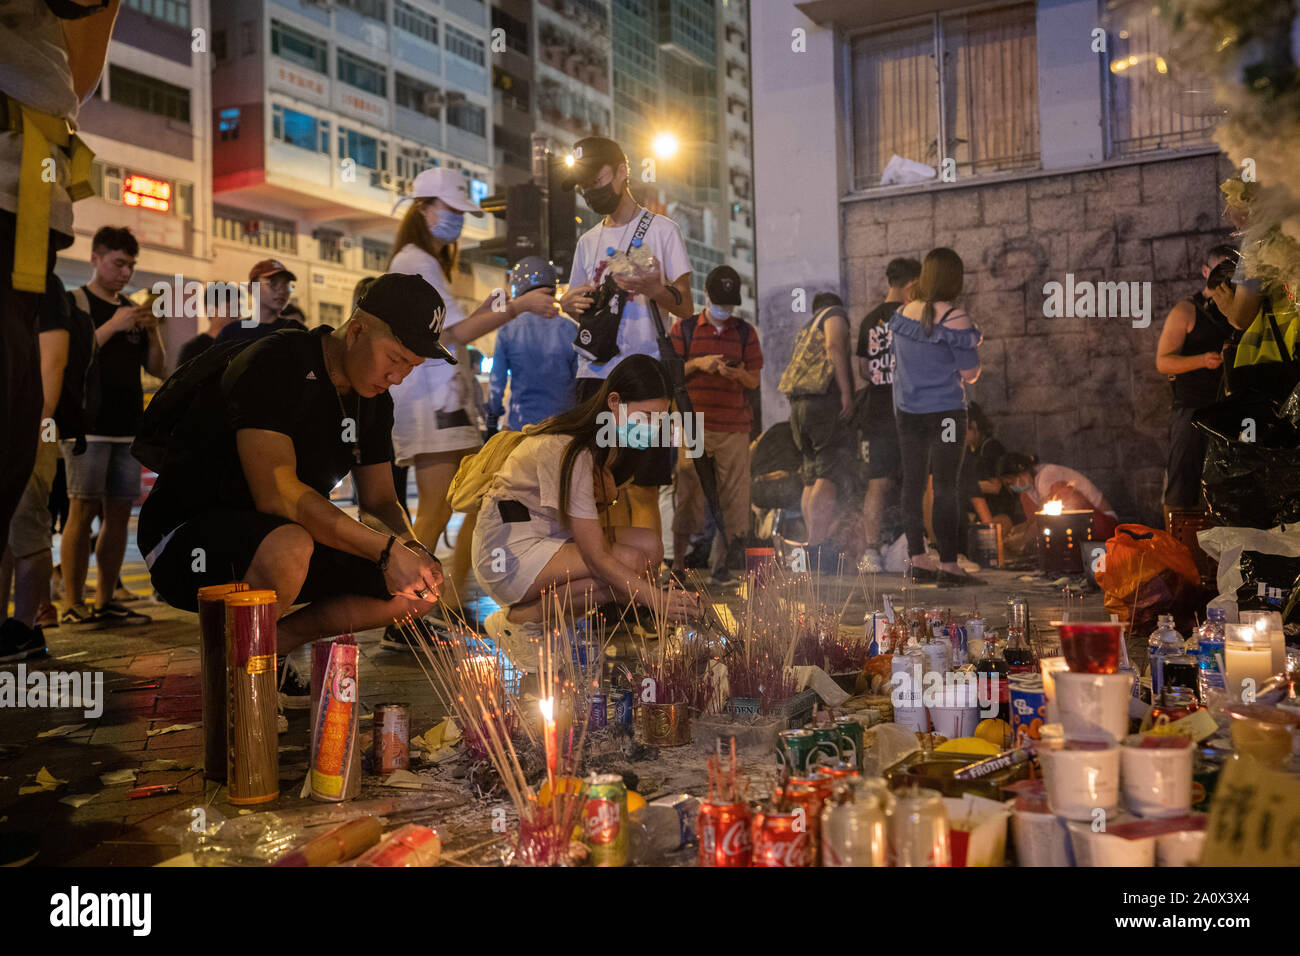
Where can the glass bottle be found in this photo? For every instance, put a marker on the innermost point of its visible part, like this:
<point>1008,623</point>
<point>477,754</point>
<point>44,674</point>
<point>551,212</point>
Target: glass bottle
<point>1165,641</point>
<point>994,667</point>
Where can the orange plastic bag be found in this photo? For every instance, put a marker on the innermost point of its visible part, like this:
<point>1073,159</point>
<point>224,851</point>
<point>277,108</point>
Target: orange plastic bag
<point>1148,573</point>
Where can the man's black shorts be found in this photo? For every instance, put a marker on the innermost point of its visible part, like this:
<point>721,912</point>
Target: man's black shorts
<point>826,441</point>
<point>654,466</point>
<point>217,547</point>
<point>880,448</point>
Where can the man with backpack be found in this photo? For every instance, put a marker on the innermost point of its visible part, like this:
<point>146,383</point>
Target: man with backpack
<point>723,359</point>
<point>248,441</point>
<point>105,479</point>
<point>819,384</point>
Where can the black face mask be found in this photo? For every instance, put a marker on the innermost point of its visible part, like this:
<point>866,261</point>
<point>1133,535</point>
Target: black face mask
<point>67,10</point>
<point>602,200</point>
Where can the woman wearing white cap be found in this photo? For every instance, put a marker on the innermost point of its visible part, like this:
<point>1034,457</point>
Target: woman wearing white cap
<point>434,417</point>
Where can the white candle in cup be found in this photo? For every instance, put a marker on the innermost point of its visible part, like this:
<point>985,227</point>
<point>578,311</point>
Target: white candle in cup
<point>1248,655</point>
<point>1270,624</point>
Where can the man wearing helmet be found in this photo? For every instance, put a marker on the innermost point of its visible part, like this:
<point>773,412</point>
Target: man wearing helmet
<point>535,354</point>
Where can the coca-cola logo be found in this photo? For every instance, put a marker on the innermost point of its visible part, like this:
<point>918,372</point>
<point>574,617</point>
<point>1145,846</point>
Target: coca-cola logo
<point>601,821</point>
<point>791,852</point>
<point>738,839</point>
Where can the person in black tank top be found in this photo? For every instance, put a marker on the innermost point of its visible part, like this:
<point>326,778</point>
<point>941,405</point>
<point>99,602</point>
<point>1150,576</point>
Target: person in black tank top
<point>1190,353</point>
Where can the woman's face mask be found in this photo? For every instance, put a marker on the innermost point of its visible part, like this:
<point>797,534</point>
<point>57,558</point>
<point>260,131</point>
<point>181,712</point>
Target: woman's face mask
<point>448,226</point>
<point>634,435</point>
<point>1020,487</point>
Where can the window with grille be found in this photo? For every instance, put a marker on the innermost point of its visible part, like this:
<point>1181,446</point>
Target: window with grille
<point>330,247</point>
<point>515,30</point>
<point>148,93</point>
<point>465,46</point>
<point>416,95</point>
<point>374,255</point>
<point>300,129</point>
<point>1153,106</point>
<point>467,116</point>
<point>299,47</point>
<point>262,232</point>
<point>329,313</point>
<point>364,150</point>
<point>175,12</point>
<point>374,9</point>
<point>362,73</point>
<point>415,22</point>
<point>961,86</point>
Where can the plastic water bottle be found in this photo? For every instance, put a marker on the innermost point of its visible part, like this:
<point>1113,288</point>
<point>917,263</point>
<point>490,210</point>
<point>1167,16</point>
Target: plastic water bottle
<point>642,259</point>
<point>1165,641</point>
<point>1206,645</point>
<point>617,263</point>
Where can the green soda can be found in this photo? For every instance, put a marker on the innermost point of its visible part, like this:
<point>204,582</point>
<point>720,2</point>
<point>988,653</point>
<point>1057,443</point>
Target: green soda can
<point>793,748</point>
<point>851,738</point>
<point>604,821</point>
<point>827,744</point>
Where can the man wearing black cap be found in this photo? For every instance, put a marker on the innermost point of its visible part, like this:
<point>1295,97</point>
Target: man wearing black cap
<point>600,171</point>
<point>276,425</point>
<point>723,359</point>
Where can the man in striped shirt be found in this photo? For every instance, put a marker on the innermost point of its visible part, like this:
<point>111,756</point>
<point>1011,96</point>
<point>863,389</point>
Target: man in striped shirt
<point>723,359</point>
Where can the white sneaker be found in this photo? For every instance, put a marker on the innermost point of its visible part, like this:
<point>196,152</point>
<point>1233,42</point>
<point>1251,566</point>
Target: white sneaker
<point>519,642</point>
<point>871,562</point>
<point>967,565</point>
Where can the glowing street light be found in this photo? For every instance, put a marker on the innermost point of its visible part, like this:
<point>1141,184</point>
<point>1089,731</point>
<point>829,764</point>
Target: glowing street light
<point>665,145</point>
<point>568,160</point>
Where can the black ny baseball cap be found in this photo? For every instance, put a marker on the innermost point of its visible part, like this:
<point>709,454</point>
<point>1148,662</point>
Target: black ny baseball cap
<point>590,155</point>
<point>723,286</point>
<point>412,308</point>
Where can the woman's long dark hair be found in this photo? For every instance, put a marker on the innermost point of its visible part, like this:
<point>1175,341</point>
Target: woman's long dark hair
<point>638,378</point>
<point>1013,463</point>
<point>941,281</point>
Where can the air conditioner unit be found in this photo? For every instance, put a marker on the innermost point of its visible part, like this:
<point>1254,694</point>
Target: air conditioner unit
<point>382,178</point>
<point>433,100</point>
<point>403,186</point>
<point>346,243</point>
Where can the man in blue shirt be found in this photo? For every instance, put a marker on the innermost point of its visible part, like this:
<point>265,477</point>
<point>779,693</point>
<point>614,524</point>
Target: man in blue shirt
<point>536,354</point>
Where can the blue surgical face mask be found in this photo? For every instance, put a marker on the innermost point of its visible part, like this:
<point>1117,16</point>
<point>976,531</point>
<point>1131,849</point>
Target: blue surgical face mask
<point>1021,489</point>
<point>634,435</point>
<point>718,313</point>
<point>448,226</point>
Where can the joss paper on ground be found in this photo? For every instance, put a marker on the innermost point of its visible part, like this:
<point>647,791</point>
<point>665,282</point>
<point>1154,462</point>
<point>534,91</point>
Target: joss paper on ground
<point>116,777</point>
<point>78,799</point>
<point>173,728</point>
<point>44,781</point>
<point>63,731</point>
<point>445,733</point>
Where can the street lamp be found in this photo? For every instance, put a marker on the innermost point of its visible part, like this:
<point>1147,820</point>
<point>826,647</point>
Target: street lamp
<point>665,145</point>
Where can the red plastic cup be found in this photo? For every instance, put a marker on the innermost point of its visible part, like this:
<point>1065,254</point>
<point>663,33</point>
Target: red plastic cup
<point>1091,647</point>
<point>759,561</point>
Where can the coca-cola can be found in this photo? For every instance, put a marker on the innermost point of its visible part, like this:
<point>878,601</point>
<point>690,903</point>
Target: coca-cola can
<point>780,839</point>
<point>726,837</point>
<point>918,829</point>
<point>807,798</point>
<point>853,829</point>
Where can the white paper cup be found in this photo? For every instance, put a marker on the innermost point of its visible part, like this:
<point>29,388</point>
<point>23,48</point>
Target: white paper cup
<point>1106,849</point>
<point>954,722</point>
<point>1041,839</point>
<point>1080,782</point>
<point>1157,781</point>
<point>1180,849</point>
<point>1094,706</point>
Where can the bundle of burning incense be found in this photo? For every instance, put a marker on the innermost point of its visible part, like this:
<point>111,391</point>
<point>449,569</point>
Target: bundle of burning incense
<point>673,661</point>
<point>725,786</point>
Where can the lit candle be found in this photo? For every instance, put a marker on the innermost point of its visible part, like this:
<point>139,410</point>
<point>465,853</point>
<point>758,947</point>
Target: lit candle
<point>548,735</point>
<point>1248,655</point>
<point>1269,625</point>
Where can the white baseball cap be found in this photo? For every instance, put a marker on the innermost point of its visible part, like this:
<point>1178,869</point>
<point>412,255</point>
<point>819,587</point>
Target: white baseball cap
<point>445,183</point>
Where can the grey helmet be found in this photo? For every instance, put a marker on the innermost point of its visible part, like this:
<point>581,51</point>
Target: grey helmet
<point>531,272</point>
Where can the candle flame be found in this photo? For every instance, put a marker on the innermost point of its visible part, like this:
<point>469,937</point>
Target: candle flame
<point>1053,507</point>
<point>547,707</point>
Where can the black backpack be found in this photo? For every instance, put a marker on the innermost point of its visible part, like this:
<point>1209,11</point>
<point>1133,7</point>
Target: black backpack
<point>79,397</point>
<point>177,423</point>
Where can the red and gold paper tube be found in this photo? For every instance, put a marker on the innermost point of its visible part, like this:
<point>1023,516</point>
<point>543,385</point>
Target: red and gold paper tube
<point>340,843</point>
<point>212,671</point>
<point>334,736</point>
<point>409,845</point>
<point>320,661</point>
<point>252,743</point>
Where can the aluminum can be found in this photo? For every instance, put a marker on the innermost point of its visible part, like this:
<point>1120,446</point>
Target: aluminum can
<point>726,834</point>
<point>853,827</point>
<point>918,829</point>
<point>810,797</point>
<point>604,821</point>
<point>828,744</point>
<point>851,736</point>
<point>793,748</point>
<point>599,712</point>
<point>780,839</point>
<point>1028,706</point>
<point>392,737</point>
<point>624,702</point>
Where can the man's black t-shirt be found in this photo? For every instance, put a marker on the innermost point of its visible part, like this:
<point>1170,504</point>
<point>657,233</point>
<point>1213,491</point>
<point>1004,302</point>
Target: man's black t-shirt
<point>236,331</point>
<point>278,384</point>
<point>875,344</point>
<point>119,360</point>
<point>194,348</point>
<point>982,465</point>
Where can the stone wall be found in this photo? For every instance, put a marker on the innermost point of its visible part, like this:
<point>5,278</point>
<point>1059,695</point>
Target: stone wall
<point>1075,391</point>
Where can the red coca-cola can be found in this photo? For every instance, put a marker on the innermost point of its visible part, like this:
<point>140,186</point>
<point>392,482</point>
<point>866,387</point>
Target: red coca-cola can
<point>725,834</point>
<point>808,799</point>
<point>780,839</point>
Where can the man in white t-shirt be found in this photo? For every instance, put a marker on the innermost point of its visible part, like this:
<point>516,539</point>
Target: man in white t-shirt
<point>600,171</point>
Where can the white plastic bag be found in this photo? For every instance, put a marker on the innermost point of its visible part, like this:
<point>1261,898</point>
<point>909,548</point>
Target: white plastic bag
<point>1225,545</point>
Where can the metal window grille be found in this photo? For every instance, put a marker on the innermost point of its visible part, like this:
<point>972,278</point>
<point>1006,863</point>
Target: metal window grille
<point>415,21</point>
<point>362,73</point>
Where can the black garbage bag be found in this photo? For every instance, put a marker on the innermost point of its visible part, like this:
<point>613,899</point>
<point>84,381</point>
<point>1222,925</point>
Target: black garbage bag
<point>1268,583</point>
<point>1253,484</point>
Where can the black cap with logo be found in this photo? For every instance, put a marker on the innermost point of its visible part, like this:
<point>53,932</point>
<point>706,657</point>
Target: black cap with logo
<point>590,155</point>
<point>412,308</point>
<point>723,286</point>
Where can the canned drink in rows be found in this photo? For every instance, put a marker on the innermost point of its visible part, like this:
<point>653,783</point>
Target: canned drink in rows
<point>392,737</point>
<point>838,771</point>
<point>726,834</point>
<point>599,712</point>
<point>827,745</point>
<point>853,827</point>
<point>604,820</point>
<point>794,747</point>
<point>807,799</point>
<point>851,736</point>
<point>1028,706</point>
<point>780,839</point>
<point>624,703</point>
